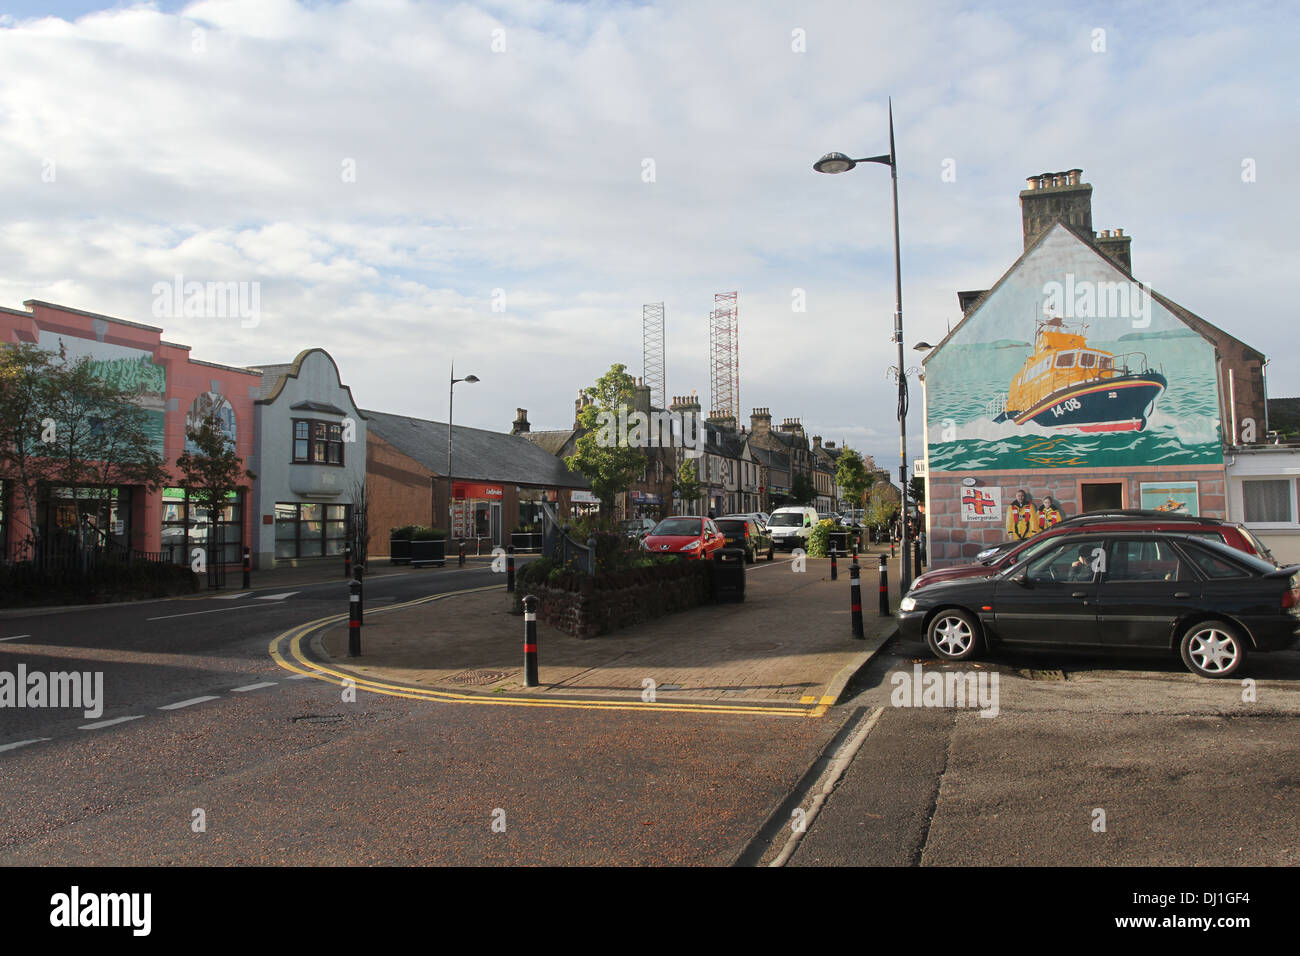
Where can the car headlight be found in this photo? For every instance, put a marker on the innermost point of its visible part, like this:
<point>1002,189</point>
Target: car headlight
<point>907,604</point>
<point>691,547</point>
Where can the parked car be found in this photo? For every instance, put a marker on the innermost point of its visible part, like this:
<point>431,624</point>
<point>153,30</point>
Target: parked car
<point>1213,529</point>
<point>637,528</point>
<point>792,527</point>
<point>744,531</point>
<point>688,535</point>
<point>1107,589</point>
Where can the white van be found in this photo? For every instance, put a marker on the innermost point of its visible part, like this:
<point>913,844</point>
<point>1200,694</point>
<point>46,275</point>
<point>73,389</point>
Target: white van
<point>792,527</point>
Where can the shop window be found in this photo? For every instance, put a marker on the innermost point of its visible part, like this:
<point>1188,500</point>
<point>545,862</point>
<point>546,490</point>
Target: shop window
<point>310,530</point>
<point>317,443</point>
<point>1267,500</point>
<point>186,525</point>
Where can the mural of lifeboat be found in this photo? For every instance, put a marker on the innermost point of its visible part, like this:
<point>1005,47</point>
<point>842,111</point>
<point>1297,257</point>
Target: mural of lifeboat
<point>1067,384</point>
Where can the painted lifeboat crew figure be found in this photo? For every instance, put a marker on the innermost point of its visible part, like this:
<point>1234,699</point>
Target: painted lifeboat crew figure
<point>1022,517</point>
<point>1049,514</point>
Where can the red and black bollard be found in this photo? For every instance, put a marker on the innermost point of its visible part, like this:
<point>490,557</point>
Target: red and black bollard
<point>460,560</point>
<point>855,597</point>
<point>510,567</point>
<point>530,640</point>
<point>884,588</point>
<point>354,618</point>
<point>891,547</point>
<point>347,560</point>
<point>835,565</point>
<point>248,567</point>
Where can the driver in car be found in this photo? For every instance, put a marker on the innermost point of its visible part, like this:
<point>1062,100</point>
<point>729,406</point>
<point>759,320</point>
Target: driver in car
<point>1081,568</point>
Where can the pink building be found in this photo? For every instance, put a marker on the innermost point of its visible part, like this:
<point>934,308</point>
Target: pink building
<point>176,388</point>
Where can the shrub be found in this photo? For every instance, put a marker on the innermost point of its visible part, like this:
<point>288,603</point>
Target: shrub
<point>819,544</point>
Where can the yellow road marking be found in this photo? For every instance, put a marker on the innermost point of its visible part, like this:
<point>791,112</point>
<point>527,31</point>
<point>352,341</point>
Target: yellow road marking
<point>293,638</point>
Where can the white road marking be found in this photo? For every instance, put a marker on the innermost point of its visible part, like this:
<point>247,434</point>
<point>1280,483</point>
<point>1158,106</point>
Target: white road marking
<point>231,597</point>
<point>187,703</point>
<point>16,637</point>
<point>242,607</point>
<point>301,676</point>
<point>109,723</point>
<point>248,687</point>
<point>275,597</point>
<point>22,743</point>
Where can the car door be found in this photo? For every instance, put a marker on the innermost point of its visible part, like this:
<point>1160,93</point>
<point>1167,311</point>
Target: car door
<point>1053,598</point>
<point>1146,587</point>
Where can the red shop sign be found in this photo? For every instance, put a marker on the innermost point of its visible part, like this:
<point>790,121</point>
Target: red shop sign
<point>469,489</point>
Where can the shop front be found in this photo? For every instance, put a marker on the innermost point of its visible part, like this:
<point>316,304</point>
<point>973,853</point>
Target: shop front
<point>583,503</point>
<point>646,505</point>
<point>186,526</point>
<point>476,510</point>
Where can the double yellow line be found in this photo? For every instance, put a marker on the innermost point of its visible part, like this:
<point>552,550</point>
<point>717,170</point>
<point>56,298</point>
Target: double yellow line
<point>287,651</point>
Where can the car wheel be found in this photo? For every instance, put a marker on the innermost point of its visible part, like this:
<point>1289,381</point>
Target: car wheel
<point>749,556</point>
<point>953,635</point>
<point>771,552</point>
<point>1213,649</point>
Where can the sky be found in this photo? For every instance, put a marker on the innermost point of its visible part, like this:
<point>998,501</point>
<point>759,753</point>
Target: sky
<point>506,184</point>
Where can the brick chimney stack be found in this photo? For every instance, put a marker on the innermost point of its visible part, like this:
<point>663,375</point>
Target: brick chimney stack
<point>1053,196</point>
<point>582,402</point>
<point>760,422</point>
<point>1117,247</point>
<point>817,441</point>
<point>521,422</point>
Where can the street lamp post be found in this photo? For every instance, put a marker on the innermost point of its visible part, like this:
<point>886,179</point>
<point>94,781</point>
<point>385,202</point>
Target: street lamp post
<point>840,163</point>
<point>451,399</point>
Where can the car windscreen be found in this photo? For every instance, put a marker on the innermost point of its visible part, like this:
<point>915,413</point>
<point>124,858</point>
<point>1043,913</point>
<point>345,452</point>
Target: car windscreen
<point>1258,545</point>
<point>787,520</point>
<point>678,526</point>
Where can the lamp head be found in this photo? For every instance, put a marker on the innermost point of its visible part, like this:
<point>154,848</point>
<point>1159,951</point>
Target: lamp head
<point>834,163</point>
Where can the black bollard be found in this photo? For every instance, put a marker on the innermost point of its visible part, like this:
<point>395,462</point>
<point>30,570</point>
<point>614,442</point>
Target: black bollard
<point>855,597</point>
<point>530,640</point>
<point>835,567</point>
<point>248,566</point>
<point>916,556</point>
<point>358,575</point>
<point>884,587</point>
<point>510,567</point>
<point>354,619</point>
<point>347,560</point>
<point>460,560</point>
<point>891,547</point>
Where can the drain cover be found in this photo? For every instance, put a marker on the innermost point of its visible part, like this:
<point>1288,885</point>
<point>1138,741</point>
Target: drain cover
<point>480,677</point>
<point>317,718</point>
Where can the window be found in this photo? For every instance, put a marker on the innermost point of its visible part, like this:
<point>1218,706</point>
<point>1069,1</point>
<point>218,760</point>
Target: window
<point>1267,499</point>
<point>1065,360</point>
<point>1073,561</point>
<point>186,525</point>
<point>318,443</point>
<point>1143,561</point>
<point>1107,362</point>
<point>310,530</point>
<point>1087,359</point>
<point>1213,566</point>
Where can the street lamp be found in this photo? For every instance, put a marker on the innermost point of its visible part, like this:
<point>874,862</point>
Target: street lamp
<point>840,163</point>
<point>451,398</point>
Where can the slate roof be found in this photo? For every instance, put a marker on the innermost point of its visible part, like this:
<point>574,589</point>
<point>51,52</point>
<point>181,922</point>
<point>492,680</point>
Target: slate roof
<point>478,455</point>
<point>553,441</point>
<point>773,459</point>
<point>270,375</point>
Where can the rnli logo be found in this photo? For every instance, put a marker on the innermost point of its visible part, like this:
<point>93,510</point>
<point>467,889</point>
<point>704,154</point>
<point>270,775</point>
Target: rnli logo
<point>977,500</point>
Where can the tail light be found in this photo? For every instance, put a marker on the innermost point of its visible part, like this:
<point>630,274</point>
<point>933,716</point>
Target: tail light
<point>1291,598</point>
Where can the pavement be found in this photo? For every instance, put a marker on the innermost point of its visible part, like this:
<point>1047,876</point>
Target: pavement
<point>789,644</point>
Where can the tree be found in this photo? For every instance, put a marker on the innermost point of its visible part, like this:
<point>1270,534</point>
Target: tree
<point>213,473</point>
<point>603,453</point>
<point>687,485</point>
<point>916,490</point>
<point>802,490</point>
<point>852,476</point>
<point>881,512</point>
<point>62,425</point>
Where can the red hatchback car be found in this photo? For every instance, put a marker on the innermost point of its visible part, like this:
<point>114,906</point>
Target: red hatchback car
<point>687,535</point>
<point>1213,529</point>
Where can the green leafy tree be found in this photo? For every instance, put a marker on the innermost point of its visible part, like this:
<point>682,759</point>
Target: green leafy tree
<point>602,452</point>
<point>687,484</point>
<point>802,490</point>
<point>63,426</point>
<point>852,476</point>
<point>881,511</point>
<point>916,491</point>
<point>213,473</point>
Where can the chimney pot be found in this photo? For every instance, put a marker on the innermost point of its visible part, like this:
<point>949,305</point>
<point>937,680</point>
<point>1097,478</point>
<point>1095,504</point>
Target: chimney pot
<point>1119,233</point>
<point>1032,183</point>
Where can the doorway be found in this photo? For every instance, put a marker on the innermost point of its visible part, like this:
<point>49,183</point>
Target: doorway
<point>1101,495</point>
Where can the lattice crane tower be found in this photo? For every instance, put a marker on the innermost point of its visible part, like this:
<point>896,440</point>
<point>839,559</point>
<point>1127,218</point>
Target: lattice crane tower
<point>724,356</point>
<point>652,353</point>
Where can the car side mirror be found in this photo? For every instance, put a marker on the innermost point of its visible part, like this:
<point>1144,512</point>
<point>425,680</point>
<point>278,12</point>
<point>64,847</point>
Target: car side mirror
<point>1023,579</point>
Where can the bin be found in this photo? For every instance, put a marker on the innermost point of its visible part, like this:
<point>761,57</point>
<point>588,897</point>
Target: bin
<point>728,573</point>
